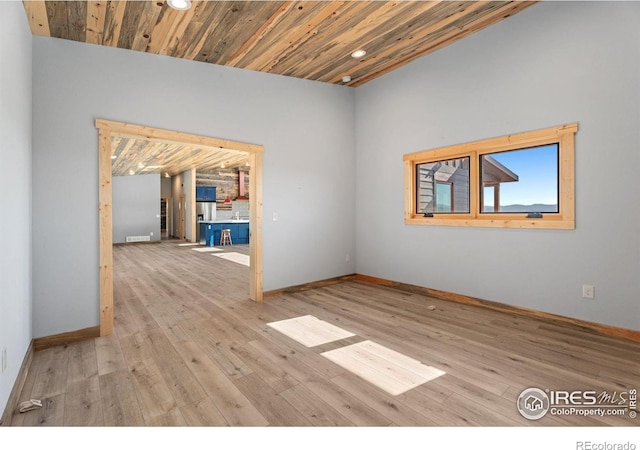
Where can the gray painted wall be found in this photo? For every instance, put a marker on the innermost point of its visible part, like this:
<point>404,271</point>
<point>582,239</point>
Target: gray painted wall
<point>136,207</point>
<point>307,130</point>
<point>165,187</point>
<point>554,63</point>
<point>15,191</point>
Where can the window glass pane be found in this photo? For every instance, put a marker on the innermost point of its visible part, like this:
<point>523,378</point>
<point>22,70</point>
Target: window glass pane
<point>443,186</point>
<point>520,181</point>
<point>444,198</point>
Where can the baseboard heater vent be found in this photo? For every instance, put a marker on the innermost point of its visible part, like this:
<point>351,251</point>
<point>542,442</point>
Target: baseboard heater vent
<point>138,238</point>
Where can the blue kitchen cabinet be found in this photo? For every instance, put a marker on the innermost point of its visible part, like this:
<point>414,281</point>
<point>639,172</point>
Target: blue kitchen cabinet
<point>243,233</point>
<point>205,193</point>
<point>210,233</point>
<point>217,231</point>
<point>234,232</point>
<point>207,236</point>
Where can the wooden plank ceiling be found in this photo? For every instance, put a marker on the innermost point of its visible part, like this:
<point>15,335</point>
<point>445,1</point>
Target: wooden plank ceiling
<point>304,39</point>
<point>141,157</point>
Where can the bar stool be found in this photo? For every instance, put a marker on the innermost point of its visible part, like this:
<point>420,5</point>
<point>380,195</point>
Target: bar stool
<point>225,237</point>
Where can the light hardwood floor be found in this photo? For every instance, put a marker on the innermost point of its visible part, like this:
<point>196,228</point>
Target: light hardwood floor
<point>190,349</point>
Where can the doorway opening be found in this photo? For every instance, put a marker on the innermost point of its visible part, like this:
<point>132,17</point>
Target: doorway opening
<point>106,131</point>
<point>165,215</point>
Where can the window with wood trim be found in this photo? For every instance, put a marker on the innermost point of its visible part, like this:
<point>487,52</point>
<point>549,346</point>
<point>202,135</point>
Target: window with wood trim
<point>523,180</point>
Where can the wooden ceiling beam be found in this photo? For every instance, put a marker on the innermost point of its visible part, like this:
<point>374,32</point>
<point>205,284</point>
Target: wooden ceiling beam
<point>132,15</point>
<point>38,17</point>
<point>280,37</point>
<point>114,16</point>
<point>216,21</point>
<point>145,26</point>
<point>77,21</point>
<point>333,11</point>
<point>242,25</point>
<point>171,24</point>
<point>264,30</point>
<point>96,14</point>
<point>194,34</point>
<point>58,25</point>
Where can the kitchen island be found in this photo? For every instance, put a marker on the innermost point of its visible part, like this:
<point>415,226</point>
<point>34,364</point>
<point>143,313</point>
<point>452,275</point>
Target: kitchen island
<point>210,231</point>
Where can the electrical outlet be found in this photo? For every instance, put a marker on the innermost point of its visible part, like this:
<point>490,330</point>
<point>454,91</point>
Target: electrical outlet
<point>4,360</point>
<point>587,291</point>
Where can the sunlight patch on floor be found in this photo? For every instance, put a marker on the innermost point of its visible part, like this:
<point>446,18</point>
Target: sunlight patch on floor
<point>387,369</point>
<point>310,331</point>
<point>207,249</point>
<point>235,257</point>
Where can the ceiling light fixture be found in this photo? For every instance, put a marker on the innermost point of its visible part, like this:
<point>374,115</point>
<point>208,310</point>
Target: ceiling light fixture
<point>131,172</point>
<point>223,166</point>
<point>114,156</point>
<point>140,166</point>
<point>358,54</point>
<point>180,5</point>
<point>346,79</point>
<point>247,164</point>
<point>166,175</point>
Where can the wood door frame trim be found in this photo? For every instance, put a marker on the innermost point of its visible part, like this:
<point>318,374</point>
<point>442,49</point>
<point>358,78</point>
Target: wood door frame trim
<point>107,129</point>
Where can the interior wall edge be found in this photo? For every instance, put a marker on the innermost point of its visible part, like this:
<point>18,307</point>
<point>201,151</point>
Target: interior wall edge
<point>12,403</point>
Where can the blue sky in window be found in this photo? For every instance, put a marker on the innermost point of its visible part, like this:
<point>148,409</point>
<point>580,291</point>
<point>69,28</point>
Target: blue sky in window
<point>537,170</point>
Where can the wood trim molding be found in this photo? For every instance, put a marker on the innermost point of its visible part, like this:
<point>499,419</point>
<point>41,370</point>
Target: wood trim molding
<point>308,286</point>
<point>69,337</point>
<point>597,328</point>
<point>14,397</point>
<point>255,227</point>
<point>106,130</point>
<point>105,197</point>
<point>192,206</point>
<point>157,134</point>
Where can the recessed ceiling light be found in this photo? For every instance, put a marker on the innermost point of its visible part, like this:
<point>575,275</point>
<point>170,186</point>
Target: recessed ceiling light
<point>166,175</point>
<point>131,172</point>
<point>114,156</point>
<point>346,79</point>
<point>180,5</point>
<point>358,54</point>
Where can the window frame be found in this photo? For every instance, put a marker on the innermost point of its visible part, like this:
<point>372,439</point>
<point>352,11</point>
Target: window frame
<point>563,136</point>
